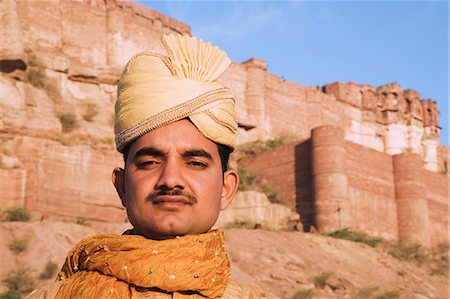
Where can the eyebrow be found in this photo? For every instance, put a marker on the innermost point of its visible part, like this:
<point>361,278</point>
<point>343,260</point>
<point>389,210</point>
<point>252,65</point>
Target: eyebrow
<point>151,151</point>
<point>197,153</point>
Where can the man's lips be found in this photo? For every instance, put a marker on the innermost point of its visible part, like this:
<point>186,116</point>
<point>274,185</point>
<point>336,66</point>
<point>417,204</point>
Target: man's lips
<point>172,199</point>
<point>175,197</point>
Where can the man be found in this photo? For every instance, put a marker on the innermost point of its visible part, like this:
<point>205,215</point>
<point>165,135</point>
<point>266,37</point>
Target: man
<point>175,125</point>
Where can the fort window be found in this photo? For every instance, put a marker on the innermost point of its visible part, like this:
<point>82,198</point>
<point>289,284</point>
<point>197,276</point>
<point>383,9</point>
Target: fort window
<point>408,105</point>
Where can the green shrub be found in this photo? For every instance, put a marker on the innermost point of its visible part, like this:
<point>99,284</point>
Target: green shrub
<point>406,251</point>
<point>18,245</point>
<point>37,76</point>
<point>50,270</point>
<point>388,295</point>
<point>435,259</point>
<point>248,225</point>
<point>36,73</point>
<point>69,121</point>
<point>439,260</point>
<point>273,196</point>
<point>320,281</point>
<point>354,236</point>
<point>366,292</point>
<point>278,141</point>
<point>253,148</point>
<point>241,224</point>
<point>247,180</point>
<point>33,60</point>
<point>91,110</point>
<point>10,295</point>
<point>20,281</point>
<point>249,149</point>
<point>83,221</point>
<point>304,294</point>
<point>15,214</point>
<point>109,141</point>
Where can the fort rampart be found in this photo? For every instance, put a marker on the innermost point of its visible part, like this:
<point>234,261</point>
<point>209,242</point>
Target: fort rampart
<point>336,184</point>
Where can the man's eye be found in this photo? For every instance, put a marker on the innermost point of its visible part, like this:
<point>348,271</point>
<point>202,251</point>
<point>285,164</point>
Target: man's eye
<point>198,164</point>
<point>144,164</point>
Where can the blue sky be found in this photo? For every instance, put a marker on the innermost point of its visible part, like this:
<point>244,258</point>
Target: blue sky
<point>318,42</point>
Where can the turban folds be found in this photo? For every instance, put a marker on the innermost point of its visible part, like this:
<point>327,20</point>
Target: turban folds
<point>155,90</point>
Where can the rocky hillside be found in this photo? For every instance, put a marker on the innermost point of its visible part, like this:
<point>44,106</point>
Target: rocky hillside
<point>289,264</point>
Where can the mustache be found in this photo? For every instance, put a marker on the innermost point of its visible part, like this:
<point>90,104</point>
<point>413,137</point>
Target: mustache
<point>185,197</point>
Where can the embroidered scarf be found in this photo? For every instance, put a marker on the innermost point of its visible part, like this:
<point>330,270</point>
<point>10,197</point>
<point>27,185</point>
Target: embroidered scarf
<point>112,266</point>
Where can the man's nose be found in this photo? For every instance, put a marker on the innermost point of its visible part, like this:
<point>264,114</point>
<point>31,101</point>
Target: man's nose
<point>170,177</point>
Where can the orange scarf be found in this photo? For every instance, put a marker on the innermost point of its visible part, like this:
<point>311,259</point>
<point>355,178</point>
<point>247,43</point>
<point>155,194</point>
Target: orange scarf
<point>112,266</point>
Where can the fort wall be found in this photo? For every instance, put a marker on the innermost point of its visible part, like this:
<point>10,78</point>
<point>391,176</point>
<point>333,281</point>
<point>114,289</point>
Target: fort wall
<point>340,184</point>
<point>371,191</point>
<point>330,181</point>
<point>437,195</point>
<point>278,172</point>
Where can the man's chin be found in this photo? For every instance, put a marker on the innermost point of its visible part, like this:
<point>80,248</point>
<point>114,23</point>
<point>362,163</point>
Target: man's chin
<point>170,226</point>
<point>162,233</point>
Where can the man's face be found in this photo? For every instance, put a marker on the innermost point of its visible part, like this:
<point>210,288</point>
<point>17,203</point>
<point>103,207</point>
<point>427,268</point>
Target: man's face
<point>173,183</point>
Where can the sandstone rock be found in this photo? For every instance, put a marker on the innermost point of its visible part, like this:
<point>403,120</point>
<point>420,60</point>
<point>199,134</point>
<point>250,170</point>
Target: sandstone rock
<point>419,296</point>
<point>306,286</point>
<point>254,207</point>
<point>9,91</point>
<point>95,76</point>
<point>13,186</point>
<point>87,192</point>
<point>11,47</point>
<point>9,162</point>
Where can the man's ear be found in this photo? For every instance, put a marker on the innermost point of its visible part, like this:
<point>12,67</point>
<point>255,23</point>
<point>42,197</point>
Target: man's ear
<point>229,189</point>
<point>118,180</point>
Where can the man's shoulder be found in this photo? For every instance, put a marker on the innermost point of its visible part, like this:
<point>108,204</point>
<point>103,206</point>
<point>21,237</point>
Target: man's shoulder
<point>236,289</point>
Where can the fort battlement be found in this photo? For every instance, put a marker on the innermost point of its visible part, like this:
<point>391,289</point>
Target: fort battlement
<point>389,103</point>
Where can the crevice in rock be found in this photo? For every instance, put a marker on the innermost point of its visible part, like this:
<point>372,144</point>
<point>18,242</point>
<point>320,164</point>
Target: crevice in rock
<point>9,66</point>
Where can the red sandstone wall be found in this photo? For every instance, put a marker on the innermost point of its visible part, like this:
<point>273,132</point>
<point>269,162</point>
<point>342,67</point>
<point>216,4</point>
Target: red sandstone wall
<point>443,159</point>
<point>304,184</point>
<point>285,102</point>
<point>287,170</point>
<point>371,191</point>
<point>437,194</point>
<point>277,169</point>
<point>295,109</point>
<point>236,76</point>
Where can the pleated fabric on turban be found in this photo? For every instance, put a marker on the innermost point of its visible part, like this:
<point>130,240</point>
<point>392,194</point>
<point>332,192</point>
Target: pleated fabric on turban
<point>156,90</point>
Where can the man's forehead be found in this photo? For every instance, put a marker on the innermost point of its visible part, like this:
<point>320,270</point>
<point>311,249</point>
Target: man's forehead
<point>181,136</point>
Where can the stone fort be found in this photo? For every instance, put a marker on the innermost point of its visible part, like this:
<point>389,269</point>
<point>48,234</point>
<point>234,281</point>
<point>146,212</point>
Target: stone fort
<point>365,157</point>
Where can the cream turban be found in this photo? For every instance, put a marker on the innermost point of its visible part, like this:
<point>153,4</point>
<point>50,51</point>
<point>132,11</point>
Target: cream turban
<point>155,90</point>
